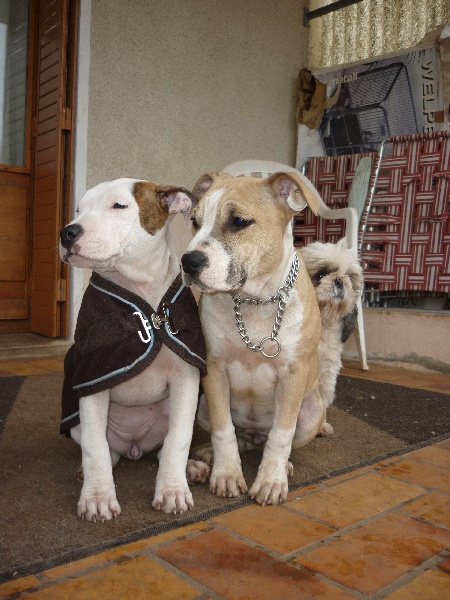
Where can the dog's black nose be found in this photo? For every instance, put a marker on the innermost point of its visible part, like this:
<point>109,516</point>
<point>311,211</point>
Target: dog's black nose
<point>194,262</point>
<point>339,283</point>
<point>69,234</point>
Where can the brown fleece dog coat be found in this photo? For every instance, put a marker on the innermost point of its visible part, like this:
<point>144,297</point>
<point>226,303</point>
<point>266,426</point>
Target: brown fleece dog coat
<point>118,334</point>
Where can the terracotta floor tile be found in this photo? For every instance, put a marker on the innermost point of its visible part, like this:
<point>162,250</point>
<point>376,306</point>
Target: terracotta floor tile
<point>22,368</point>
<point>414,471</point>
<point>302,491</point>
<point>234,570</point>
<point>274,527</point>
<point>18,585</point>
<point>430,585</point>
<point>373,556</point>
<point>423,381</point>
<point>434,507</point>
<point>4,373</point>
<point>431,454</point>
<point>399,376</point>
<point>346,476</point>
<point>139,578</point>
<point>445,445</point>
<point>95,559</point>
<point>49,364</point>
<point>109,555</point>
<point>442,387</point>
<point>445,564</point>
<point>178,533</point>
<point>356,499</point>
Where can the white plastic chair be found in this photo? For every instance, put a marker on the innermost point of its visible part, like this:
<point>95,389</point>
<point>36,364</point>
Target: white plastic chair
<point>265,168</point>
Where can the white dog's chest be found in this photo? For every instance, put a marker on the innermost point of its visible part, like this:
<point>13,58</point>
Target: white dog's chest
<point>153,384</point>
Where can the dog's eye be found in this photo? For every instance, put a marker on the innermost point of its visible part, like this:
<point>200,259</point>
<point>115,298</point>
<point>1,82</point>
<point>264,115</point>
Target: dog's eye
<point>238,223</point>
<point>118,205</point>
<point>195,224</point>
<point>318,277</point>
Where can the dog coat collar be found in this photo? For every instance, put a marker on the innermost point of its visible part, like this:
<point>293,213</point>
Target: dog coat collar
<point>118,334</point>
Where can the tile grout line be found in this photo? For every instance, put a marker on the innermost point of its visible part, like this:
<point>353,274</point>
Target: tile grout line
<point>184,576</point>
<point>424,519</point>
<point>285,558</point>
<point>409,576</point>
<point>343,531</point>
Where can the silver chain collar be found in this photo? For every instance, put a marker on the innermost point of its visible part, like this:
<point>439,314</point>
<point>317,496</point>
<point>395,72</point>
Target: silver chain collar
<point>282,296</point>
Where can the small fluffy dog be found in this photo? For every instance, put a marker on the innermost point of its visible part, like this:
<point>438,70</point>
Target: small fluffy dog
<point>338,280</point>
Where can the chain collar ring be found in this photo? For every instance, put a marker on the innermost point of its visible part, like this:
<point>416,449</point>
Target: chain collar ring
<point>282,296</point>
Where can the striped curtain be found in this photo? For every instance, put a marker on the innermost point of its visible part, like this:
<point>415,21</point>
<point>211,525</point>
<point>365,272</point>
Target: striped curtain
<point>370,28</point>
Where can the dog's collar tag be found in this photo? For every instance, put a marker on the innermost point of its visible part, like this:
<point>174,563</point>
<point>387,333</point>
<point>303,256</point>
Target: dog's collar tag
<point>146,325</point>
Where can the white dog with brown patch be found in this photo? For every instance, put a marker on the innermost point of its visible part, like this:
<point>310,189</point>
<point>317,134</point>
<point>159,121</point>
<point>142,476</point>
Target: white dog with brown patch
<point>261,323</point>
<point>132,375</point>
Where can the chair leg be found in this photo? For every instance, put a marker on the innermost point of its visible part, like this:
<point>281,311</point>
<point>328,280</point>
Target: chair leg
<point>360,338</point>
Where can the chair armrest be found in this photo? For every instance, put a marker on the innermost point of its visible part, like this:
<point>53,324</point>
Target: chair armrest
<point>351,221</point>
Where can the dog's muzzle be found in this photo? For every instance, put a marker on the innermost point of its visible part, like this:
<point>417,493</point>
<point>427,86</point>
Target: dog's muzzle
<point>69,235</point>
<point>194,262</point>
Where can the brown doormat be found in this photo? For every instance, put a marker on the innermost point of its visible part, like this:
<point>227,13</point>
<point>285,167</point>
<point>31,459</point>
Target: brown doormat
<point>39,528</point>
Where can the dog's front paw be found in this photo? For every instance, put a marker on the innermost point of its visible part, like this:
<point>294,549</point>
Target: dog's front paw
<point>227,484</point>
<point>98,505</point>
<point>173,499</point>
<point>270,490</point>
<point>197,471</point>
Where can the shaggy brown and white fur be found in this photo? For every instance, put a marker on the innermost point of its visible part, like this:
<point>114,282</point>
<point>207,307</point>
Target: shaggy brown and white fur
<point>337,278</point>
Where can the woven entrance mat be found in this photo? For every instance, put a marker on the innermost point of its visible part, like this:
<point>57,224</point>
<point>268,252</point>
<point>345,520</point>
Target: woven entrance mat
<point>38,522</point>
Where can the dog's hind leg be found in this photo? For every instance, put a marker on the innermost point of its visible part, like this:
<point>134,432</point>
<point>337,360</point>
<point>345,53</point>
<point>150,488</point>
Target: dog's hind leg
<point>197,471</point>
<point>325,429</point>
<point>310,419</point>
<point>204,453</point>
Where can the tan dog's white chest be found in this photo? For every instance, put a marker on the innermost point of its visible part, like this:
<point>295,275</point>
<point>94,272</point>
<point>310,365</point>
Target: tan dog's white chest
<point>253,378</point>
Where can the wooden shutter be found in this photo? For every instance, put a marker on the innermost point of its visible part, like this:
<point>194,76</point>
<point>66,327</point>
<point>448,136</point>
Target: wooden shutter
<point>52,162</point>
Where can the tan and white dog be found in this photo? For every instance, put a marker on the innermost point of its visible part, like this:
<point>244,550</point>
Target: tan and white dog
<point>131,379</point>
<point>261,323</point>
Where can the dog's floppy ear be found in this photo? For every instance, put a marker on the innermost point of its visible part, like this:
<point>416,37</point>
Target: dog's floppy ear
<point>296,190</point>
<point>348,324</point>
<point>177,200</point>
<point>204,182</point>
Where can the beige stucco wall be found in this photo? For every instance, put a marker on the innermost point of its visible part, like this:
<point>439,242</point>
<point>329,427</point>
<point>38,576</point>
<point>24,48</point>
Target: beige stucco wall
<point>175,88</point>
<point>409,336</point>
<point>181,87</point>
